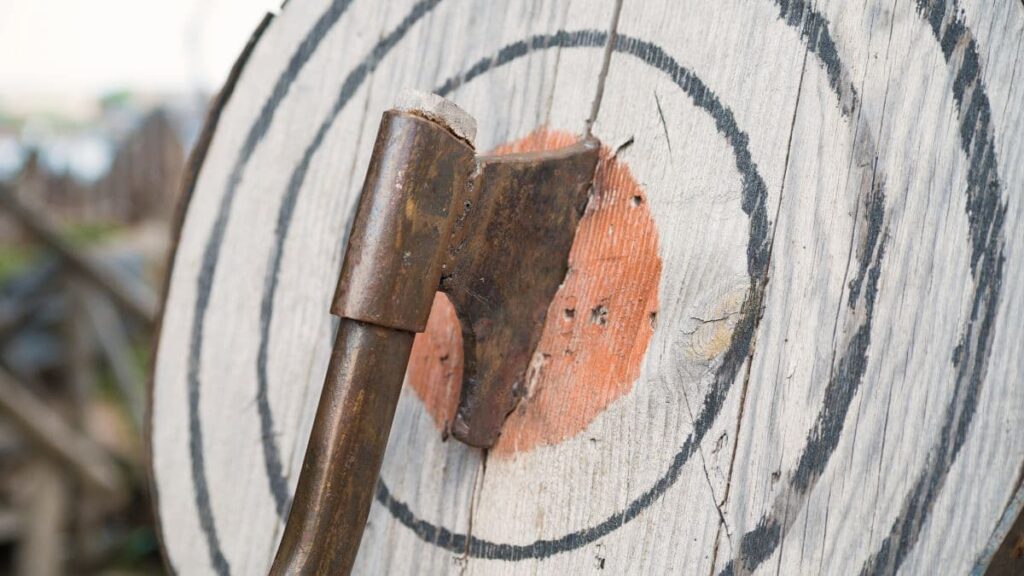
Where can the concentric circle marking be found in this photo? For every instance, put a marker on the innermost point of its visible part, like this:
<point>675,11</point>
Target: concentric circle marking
<point>754,195</point>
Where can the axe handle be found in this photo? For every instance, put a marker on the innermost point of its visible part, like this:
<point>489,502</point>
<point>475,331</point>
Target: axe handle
<point>392,269</point>
<point>346,447</point>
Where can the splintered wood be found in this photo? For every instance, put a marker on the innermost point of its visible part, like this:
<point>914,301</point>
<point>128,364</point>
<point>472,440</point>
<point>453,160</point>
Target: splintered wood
<point>789,341</point>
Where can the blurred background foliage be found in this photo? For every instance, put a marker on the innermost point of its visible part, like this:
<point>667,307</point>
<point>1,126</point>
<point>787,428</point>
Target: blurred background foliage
<point>100,102</point>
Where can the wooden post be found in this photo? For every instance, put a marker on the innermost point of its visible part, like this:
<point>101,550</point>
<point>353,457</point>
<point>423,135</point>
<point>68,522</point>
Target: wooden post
<point>41,551</point>
<point>81,386</point>
<point>108,330</point>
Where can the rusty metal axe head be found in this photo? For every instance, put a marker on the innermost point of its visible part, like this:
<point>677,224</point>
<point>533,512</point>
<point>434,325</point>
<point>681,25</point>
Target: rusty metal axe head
<point>491,231</point>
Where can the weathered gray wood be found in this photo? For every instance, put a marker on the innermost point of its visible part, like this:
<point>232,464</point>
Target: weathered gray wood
<point>1004,553</point>
<point>56,439</point>
<point>831,381</point>
<point>136,298</point>
<point>45,502</point>
<point>110,333</point>
<point>80,369</point>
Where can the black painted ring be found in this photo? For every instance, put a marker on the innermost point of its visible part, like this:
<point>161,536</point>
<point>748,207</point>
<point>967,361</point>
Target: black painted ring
<point>754,197</point>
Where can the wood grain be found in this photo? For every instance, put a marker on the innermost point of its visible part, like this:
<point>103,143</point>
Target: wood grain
<point>832,380</point>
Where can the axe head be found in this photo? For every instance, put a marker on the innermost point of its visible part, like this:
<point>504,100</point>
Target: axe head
<point>508,255</point>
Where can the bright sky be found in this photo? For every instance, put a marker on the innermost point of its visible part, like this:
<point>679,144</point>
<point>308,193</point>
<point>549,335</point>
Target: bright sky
<point>56,49</point>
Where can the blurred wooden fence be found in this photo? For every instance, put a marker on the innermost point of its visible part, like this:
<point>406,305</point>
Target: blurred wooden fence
<point>75,323</point>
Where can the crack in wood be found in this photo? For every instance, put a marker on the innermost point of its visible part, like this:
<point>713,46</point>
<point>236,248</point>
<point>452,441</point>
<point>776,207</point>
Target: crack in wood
<point>606,62</point>
<point>762,290</point>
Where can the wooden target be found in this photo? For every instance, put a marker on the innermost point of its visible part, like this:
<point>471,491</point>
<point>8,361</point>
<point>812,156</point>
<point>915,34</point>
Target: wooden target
<point>789,340</point>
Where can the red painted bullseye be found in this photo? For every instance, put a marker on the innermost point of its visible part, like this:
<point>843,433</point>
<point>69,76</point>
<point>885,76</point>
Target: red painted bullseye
<point>598,325</point>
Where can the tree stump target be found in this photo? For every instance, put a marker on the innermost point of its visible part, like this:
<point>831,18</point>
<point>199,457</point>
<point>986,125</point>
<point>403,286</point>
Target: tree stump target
<point>790,335</point>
